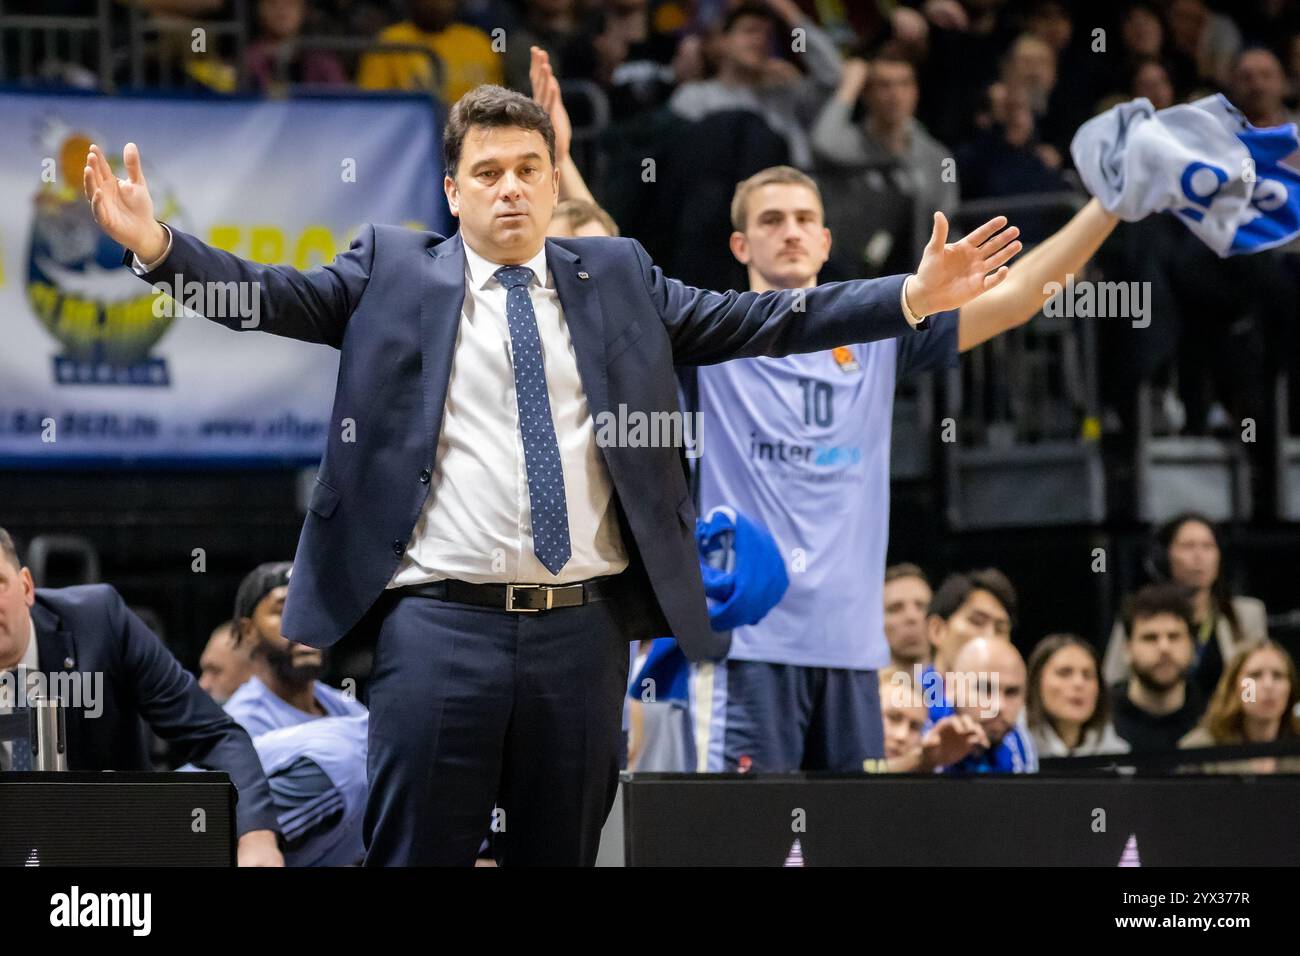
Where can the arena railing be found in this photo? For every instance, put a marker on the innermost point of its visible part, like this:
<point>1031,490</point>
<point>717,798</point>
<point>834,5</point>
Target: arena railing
<point>1020,434</point>
<point>51,46</point>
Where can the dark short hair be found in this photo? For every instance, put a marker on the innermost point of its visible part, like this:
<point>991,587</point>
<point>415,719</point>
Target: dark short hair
<point>1163,598</point>
<point>489,105</point>
<point>762,11</point>
<point>956,588</point>
<point>257,584</point>
<point>905,569</point>
<point>9,550</point>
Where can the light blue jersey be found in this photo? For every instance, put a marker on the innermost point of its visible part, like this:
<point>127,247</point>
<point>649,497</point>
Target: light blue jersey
<point>255,708</point>
<point>801,444</point>
<point>317,774</point>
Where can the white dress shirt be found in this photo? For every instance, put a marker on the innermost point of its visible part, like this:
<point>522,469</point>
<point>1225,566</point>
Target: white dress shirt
<point>476,523</point>
<point>28,663</point>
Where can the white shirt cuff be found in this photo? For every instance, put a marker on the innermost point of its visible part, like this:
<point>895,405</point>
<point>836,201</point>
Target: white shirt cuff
<point>140,268</point>
<point>912,318</point>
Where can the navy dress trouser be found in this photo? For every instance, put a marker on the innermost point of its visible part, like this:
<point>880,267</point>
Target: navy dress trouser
<point>484,719</point>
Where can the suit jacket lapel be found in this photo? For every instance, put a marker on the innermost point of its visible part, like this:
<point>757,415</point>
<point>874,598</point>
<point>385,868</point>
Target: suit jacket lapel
<point>586,324</point>
<point>53,641</point>
<point>442,296</point>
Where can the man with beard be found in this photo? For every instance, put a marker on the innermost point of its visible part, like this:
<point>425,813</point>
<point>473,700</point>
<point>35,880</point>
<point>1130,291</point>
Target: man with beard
<point>1158,705</point>
<point>284,689</point>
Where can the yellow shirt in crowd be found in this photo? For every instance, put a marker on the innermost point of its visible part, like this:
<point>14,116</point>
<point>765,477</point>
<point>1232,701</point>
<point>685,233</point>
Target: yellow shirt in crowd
<point>466,54</point>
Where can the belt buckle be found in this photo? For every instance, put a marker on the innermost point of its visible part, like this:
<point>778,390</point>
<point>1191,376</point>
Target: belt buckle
<point>510,598</point>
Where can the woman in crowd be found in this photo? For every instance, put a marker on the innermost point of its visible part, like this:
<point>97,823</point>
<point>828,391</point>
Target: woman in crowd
<point>1186,551</point>
<point>1255,702</point>
<point>1068,706</point>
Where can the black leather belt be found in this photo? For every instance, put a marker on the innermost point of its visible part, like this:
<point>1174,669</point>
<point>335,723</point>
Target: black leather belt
<point>522,598</point>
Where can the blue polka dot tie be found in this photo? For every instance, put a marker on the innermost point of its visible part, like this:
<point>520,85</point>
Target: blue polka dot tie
<point>541,451</point>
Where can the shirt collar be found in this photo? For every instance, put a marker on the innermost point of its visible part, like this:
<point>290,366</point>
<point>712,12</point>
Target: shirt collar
<point>29,658</point>
<point>480,271</point>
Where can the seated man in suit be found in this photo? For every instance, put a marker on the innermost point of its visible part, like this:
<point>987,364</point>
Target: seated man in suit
<point>477,510</point>
<point>88,630</point>
<point>284,689</point>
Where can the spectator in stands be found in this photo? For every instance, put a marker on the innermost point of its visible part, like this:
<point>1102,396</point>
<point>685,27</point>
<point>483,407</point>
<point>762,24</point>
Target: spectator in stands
<point>1006,159</point>
<point>1257,86</point>
<point>1068,707</point>
<point>1151,80</point>
<point>464,52</point>
<point>87,633</point>
<point>279,24</point>
<point>284,689</point>
<point>991,673</point>
<point>224,664</point>
<point>966,606</point>
<point>1158,704</point>
<point>907,597</point>
<point>1203,40</point>
<point>912,745</point>
<point>549,24</point>
<point>577,217</point>
<point>889,135</point>
<point>1255,703</point>
<point>749,78</point>
<point>1185,550</point>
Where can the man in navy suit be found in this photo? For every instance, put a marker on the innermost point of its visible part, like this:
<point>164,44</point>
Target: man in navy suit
<point>472,505</point>
<point>66,634</point>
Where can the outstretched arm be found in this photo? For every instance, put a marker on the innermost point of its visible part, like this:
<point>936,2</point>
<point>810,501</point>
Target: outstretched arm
<point>546,91</point>
<point>1019,298</point>
<point>313,306</point>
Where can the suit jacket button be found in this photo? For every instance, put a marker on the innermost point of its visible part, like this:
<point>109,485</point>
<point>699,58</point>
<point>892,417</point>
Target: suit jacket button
<point>425,476</point>
<point>399,548</point>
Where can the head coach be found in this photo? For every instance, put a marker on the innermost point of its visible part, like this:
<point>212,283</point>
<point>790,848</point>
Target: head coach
<point>473,514</point>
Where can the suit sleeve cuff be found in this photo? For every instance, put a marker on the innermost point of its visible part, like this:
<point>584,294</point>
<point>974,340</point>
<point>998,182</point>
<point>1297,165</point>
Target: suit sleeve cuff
<point>144,268</point>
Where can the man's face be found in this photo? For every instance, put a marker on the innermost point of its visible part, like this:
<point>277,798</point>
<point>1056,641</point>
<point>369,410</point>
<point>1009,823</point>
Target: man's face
<point>747,45</point>
<point>1258,83</point>
<point>998,673</point>
<point>981,615</point>
<point>784,239</point>
<point>504,192</point>
<point>17,594</point>
<point>1160,649</point>
<point>1194,555</point>
<point>891,92</point>
<point>903,725</point>
<point>224,665</point>
<point>906,600</point>
<point>289,659</point>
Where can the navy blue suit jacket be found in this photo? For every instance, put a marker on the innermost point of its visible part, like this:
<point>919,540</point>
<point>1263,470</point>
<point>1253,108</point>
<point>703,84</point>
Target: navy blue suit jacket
<point>89,629</point>
<point>392,304</point>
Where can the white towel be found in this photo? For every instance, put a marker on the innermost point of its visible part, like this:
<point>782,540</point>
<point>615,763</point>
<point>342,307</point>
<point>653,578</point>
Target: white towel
<point>1201,161</point>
